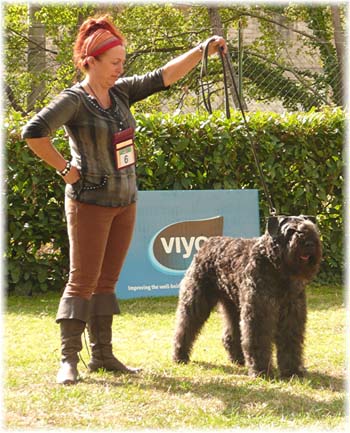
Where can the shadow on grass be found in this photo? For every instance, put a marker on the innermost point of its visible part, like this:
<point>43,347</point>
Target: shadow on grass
<point>312,379</point>
<point>324,381</point>
<point>251,399</point>
<point>222,368</point>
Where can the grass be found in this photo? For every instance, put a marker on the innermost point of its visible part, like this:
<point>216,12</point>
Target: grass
<point>209,392</point>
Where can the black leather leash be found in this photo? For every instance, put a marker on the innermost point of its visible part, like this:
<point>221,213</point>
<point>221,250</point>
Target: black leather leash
<point>207,104</point>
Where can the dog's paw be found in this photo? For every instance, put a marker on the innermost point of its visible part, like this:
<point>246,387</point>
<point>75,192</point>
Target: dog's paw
<point>237,360</point>
<point>181,359</point>
<point>265,374</point>
<point>297,372</point>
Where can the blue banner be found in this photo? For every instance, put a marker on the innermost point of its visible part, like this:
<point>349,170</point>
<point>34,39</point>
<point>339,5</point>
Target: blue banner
<point>170,228</point>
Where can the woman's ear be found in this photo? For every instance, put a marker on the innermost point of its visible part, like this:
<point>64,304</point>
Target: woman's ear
<point>90,61</point>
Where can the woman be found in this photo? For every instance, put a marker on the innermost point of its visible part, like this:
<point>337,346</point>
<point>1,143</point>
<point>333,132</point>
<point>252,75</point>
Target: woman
<point>100,181</point>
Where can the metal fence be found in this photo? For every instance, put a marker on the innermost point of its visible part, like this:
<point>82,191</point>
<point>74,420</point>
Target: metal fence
<point>299,68</point>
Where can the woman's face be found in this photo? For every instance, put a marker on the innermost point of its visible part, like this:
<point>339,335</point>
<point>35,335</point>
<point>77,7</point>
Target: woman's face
<point>108,67</point>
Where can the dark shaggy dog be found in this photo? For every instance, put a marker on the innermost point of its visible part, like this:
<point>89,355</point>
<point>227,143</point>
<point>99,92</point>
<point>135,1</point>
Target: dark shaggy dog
<point>260,286</point>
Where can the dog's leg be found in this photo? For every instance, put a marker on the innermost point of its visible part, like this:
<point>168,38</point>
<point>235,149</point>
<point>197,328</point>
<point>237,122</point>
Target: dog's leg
<point>290,336</point>
<point>194,307</point>
<point>257,324</point>
<point>232,334</point>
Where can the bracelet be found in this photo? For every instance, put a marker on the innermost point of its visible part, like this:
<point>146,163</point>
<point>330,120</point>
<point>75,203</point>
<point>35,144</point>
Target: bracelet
<point>66,169</point>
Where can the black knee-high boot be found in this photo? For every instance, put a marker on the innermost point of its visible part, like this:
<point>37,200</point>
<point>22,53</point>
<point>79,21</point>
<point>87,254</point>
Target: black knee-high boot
<point>72,315</point>
<point>103,307</point>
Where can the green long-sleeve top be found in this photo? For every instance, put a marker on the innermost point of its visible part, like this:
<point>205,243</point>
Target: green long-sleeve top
<point>90,129</point>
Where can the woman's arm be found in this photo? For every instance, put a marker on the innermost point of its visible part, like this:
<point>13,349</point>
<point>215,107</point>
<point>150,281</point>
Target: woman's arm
<point>182,65</point>
<point>41,127</point>
<point>45,150</point>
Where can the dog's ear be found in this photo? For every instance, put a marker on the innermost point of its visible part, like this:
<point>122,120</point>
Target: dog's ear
<point>272,226</point>
<point>274,223</point>
<point>309,218</point>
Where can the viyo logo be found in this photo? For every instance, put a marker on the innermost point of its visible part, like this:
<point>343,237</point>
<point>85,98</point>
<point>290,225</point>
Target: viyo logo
<point>171,250</point>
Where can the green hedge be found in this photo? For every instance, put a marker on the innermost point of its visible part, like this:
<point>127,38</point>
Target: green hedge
<point>300,153</point>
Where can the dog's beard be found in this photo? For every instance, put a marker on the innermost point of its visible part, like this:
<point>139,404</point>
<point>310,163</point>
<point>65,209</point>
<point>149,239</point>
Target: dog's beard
<point>303,261</point>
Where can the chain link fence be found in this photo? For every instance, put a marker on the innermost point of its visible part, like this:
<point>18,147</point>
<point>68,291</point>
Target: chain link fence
<point>285,66</point>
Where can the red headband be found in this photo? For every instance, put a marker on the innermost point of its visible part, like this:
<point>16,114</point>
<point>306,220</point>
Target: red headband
<point>99,42</point>
<point>109,44</point>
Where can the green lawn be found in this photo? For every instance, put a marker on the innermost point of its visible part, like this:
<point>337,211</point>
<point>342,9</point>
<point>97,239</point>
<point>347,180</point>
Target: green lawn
<point>207,393</point>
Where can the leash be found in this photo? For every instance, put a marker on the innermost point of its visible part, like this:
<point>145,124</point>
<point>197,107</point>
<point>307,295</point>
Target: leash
<point>207,104</point>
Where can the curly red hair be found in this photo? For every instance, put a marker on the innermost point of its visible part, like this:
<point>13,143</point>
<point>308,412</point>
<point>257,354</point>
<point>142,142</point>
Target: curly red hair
<point>89,26</point>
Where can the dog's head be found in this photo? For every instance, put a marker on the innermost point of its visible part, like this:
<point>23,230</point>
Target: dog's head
<point>299,242</point>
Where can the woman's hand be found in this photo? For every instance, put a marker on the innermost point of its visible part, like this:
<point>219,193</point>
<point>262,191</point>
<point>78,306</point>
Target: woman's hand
<point>178,67</point>
<point>44,149</point>
<point>216,43</point>
<point>72,176</point>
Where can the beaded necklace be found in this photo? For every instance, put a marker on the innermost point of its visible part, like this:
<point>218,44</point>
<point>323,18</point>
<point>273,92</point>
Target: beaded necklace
<point>93,92</point>
<point>113,110</point>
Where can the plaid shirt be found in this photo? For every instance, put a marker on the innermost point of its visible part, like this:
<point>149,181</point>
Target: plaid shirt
<point>90,129</point>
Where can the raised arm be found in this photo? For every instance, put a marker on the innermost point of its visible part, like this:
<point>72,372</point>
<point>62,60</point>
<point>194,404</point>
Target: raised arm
<point>180,66</point>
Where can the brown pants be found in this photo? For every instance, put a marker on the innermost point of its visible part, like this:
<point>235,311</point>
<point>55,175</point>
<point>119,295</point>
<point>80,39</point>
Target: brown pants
<point>99,239</point>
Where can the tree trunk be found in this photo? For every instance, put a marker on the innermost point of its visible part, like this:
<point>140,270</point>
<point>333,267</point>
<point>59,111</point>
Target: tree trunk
<point>217,28</point>
<point>339,41</point>
<point>12,99</point>
<point>36,60</point>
